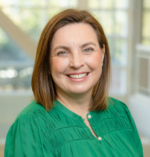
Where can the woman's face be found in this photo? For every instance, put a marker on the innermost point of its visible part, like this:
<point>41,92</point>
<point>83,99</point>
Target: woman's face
<point>76,59</point>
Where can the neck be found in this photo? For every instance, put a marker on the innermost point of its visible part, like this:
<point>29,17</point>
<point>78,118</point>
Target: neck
<point>79,103</point>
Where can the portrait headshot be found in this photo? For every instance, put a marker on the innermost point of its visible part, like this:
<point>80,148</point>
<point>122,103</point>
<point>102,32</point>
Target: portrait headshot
<point>79,106</point>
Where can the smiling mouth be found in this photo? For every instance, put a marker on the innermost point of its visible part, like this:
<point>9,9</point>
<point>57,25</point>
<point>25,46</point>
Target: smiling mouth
<point>78,76</point>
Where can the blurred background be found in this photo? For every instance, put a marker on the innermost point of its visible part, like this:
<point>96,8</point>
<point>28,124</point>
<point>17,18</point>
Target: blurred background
<point>127,26</point>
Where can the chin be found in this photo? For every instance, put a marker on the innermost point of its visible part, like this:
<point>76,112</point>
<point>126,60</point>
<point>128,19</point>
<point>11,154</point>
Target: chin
<point>80,91</point>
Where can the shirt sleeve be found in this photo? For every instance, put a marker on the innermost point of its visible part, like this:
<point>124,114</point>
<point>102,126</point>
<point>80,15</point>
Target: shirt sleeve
<point>24,138</point>
<point>136,136</point>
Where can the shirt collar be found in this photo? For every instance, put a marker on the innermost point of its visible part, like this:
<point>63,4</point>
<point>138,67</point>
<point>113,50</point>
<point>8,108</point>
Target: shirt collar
<point>70,113</point>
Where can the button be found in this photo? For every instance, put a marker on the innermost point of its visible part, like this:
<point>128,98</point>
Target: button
<point>89,116</point>
<point>99,138</point>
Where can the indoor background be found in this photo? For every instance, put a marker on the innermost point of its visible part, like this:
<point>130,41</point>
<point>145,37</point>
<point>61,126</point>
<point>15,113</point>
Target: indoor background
<point>127,26</point>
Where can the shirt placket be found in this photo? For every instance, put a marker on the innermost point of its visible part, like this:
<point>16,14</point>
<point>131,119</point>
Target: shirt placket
<point>89,117</point>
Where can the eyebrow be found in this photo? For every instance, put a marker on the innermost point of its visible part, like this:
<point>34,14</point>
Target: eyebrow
<point>88,43</point>
<point>67,48</point>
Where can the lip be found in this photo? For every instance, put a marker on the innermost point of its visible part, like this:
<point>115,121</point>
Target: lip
<point>77,73</point>
<point>78,79</point>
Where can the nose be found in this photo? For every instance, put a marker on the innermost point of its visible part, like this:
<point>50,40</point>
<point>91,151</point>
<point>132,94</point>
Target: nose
<point>76,60</point>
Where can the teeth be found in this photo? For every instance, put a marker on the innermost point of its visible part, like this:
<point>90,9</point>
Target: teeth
<point>78,76</point>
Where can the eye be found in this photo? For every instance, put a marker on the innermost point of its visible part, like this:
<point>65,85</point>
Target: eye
<point>88,50</point>
<point>61,53</point>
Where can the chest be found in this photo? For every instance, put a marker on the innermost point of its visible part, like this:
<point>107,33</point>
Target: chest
<point>90,128</point>
<point>74,140</point>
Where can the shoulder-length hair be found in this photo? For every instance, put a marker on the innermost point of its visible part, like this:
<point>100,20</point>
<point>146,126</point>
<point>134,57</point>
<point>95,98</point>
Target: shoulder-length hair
<point>42,82</point>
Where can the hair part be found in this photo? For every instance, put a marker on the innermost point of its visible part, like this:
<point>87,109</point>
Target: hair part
<point>42,82</point>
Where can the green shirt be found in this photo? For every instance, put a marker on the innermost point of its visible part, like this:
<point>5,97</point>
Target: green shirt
<point>62,133</point>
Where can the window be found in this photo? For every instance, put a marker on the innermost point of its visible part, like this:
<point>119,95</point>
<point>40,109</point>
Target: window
<point>15,65</point>
<point>146,23</point>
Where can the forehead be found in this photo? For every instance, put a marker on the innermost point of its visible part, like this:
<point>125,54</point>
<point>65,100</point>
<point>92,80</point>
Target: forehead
<point>76,32</point>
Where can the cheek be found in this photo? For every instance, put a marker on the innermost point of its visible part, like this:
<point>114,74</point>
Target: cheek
<point>58,65</point>
<point>95,61</point>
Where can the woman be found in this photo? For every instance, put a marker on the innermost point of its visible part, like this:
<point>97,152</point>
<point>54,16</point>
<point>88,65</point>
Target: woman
<point>72,115</point>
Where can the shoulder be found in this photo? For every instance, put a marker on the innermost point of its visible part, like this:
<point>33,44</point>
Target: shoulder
<point>115,102</point>
<point>34,115</point>
<point>32,112</point>
<point>31,108</point>
<point>118,106</point>
<point>31,120</point>
<point>24,132</point>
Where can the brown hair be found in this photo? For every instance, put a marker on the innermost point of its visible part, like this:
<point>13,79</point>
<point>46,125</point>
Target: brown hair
<point>42,83</point>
